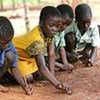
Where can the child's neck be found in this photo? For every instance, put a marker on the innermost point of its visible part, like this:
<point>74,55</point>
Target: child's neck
<point>81,30</point>
<point>42,33</point>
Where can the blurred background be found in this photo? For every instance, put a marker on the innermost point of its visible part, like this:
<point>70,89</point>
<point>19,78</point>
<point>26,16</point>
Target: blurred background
<point>24,14</point>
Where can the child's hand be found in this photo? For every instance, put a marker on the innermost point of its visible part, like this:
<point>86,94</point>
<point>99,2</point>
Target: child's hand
<point>90,63</point>
<point>29,89</point>
<point>72,58</point>
<point>69,67</point>
<point>64,88</point>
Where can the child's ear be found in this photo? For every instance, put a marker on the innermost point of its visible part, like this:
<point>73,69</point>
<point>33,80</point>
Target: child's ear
<point>41,23</point>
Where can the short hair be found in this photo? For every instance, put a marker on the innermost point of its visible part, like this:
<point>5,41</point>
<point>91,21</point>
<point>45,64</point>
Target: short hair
<point>6,29</point>
<point>49,11</point>
<point>82,10</point>
<point>66,9</point>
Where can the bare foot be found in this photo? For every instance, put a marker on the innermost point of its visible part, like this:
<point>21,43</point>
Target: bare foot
<point>64,88</point>
<point>29,89</point>
<point>4,89</point>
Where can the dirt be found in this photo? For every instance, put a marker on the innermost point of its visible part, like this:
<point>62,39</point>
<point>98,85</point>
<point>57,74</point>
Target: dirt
<point>84,81</point>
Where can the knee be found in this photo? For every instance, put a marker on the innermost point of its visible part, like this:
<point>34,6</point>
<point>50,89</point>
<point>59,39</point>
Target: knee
<point>70,38</point>
<point>10,57</point>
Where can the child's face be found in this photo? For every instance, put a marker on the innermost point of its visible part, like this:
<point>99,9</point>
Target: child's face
<point>4,42</point>
<point>66,22</point>
<point>84,23</point>
<point>51,26</point>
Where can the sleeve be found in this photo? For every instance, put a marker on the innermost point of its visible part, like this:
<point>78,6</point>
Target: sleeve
<point>62,43</point>
<point>70,28</point>
<point>15,64</point>
<point>35,48</point>
<point>96,37</point>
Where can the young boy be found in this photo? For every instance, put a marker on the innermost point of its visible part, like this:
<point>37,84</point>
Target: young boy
<point>86,34</point>
<point>67,18</point>
<point>8,55</point>
<point>67,15</point>
<point>40,44</point>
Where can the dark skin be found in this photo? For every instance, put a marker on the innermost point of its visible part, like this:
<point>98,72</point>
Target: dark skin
<point>49,76</point>
<point>9,59</point>
<point>69,39</point>
<point>49,28</point>
<point>70,46</point>
<point>66,65</point>
<point>83,25</point>
<point>66,21</point>
<point>51,59</point>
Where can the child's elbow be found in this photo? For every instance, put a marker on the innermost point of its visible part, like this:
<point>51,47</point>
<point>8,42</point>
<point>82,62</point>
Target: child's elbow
<point>10,57</point>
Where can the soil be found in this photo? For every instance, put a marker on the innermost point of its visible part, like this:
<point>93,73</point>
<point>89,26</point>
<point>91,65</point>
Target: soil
<point>84,81</point>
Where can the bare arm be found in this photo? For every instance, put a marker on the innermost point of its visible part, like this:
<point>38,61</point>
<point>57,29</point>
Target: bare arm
<point>66,64</point>
<point>93,55</point>
<point>62,54</point>
<point>51,57</point>
<point>44,70</point>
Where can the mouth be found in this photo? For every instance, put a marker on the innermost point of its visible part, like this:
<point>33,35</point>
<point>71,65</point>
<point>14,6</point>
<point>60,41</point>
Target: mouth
<point>53,33</point>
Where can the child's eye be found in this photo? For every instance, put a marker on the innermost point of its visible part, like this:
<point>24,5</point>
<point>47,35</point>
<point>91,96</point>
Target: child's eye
<point>58,26</point>
<point>51,25</point>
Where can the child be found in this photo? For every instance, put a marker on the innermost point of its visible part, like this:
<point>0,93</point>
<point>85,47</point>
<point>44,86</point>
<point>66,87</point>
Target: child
<point>8,55</point>
<point>67,15</point>
<point>86,35</point>
<point>33,46</point>
<point>67,18</point>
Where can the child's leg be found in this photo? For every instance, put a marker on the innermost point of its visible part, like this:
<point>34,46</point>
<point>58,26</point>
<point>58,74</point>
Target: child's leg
<point>70,42</point>
<point>38,76</point>
<point>87,51</point>
<point>29,78</point>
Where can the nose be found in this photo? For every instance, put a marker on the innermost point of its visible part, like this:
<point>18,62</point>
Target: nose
<point>86,25</point>
<point>55,29</point>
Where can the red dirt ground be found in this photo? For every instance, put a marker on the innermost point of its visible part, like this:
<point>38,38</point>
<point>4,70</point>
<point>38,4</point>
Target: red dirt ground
<point>84,81</point>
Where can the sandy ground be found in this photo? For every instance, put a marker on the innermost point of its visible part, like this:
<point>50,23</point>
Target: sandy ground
<point>84,81</point>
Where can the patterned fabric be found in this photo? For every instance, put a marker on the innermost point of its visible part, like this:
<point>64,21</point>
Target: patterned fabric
<point>59,41</point>
<point>28,45</point>
<point>90,36</point>
<point>36,48</point>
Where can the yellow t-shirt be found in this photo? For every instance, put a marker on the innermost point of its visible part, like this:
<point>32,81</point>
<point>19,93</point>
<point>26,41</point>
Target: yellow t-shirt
<point>28,45</point>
